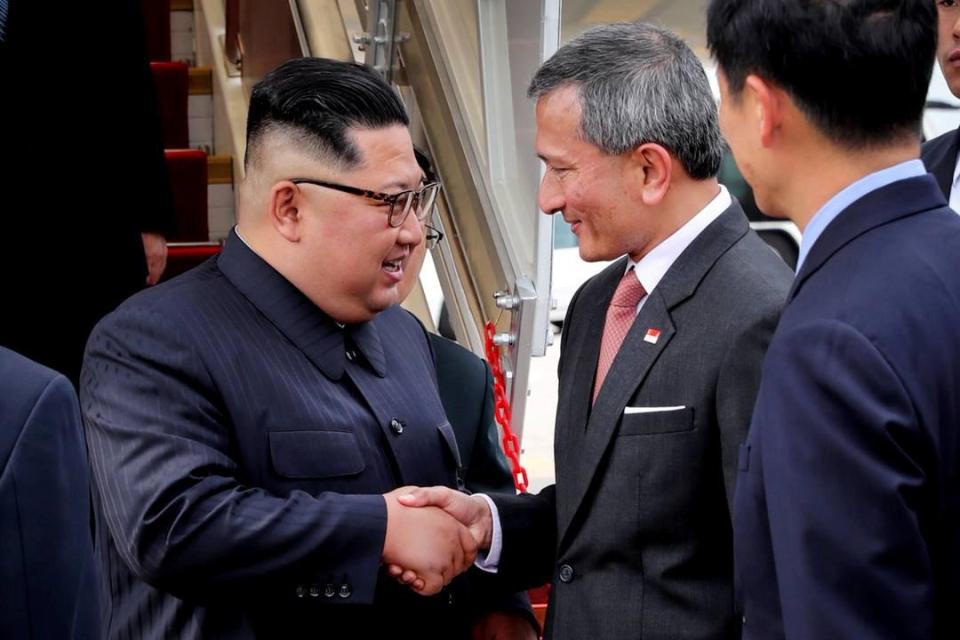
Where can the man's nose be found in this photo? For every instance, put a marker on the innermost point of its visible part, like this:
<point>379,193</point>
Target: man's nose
<point>411,231</point>
<point>550,197</point>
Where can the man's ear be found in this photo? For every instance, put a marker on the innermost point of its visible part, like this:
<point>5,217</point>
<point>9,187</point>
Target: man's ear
<point>768,102</point>
<point>283,207</point>
<point>654,170</point>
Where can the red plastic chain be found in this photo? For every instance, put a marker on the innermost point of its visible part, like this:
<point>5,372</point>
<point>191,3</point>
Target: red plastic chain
<point>501,410</point>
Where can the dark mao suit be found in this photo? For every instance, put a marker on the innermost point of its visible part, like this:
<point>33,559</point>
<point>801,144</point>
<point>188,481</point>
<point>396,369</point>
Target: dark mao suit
<point>240,440</point>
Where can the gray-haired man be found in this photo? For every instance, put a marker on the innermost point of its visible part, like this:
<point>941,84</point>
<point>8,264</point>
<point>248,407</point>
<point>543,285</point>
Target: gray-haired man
<point>661,352</point>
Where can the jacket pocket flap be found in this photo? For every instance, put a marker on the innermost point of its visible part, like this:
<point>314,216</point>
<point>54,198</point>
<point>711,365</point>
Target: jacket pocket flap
<point>315,454</point>
<point>645,424</point>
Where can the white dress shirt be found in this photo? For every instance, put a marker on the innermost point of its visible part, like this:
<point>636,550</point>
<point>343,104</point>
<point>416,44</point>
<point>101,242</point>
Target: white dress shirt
<point>650,271</point>
<point>955,187</point>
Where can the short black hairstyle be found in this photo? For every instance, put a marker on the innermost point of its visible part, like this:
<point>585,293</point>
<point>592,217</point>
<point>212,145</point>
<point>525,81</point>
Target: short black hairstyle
<point>429,175</point>
<point>858,69</point>
<point>317,100</point>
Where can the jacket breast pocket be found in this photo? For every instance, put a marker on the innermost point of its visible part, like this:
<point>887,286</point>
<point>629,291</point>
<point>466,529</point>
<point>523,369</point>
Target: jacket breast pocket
<point>648,424</point>
<point>315,454</point>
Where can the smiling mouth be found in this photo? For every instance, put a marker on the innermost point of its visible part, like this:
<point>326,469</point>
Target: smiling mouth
<point>393,266</point>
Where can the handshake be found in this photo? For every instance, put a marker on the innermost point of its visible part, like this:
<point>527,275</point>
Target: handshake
<point>433,535</point>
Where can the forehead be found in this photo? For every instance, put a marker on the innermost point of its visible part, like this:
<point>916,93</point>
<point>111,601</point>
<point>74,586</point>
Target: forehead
<point>387,152</point>
<point>558,125</point>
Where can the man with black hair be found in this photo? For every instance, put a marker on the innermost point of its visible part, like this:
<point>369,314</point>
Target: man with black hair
<point>248,420</point>
<point>847,512</point>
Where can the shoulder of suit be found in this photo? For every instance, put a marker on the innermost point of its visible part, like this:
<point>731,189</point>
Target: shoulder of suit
<point>20,373</point>
<point>192,291</point>
<point>449,354</point>
<point>23,383</point>
<point>755,271</point>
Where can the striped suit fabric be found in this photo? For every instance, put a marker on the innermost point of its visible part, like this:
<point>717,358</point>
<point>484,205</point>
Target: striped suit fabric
<point>240,440</point>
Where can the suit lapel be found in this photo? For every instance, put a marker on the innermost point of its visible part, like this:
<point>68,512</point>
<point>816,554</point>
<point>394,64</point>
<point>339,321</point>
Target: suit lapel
<point>941,160</point>
<point>892,202</point>
<point>631,366</point>
<point>581,451</point>
<point>580,357</point>
<point>291,312</point>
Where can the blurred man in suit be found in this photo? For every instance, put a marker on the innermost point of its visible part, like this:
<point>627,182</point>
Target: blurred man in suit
<point>465,385</point>
<point>660,354</point>
<point>48,576</point>
<point>245,418</point>
<point>84,189</point>
<point>940,155</point>
<point>848,504</point>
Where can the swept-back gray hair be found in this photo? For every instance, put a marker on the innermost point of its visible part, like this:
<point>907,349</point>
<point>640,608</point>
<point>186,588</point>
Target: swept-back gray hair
<point>637,84</point>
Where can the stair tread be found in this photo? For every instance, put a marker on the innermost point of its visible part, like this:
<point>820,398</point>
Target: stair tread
<point>219,169</point>
<point>181,5</point>
<point>201,81</point>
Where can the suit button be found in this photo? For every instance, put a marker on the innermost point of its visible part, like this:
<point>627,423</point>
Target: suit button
<point>351,355</point>
<point>345,591</point>
<point>301,591</point>
<point>743,620</point>
<point>329,591</point>
<point>396,426</point>
<point>566,573</point>
<point>314,591</point>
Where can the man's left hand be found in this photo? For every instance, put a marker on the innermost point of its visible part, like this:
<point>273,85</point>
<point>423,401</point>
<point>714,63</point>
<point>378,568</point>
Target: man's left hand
<point>155,250</point>
<point>501,625</point>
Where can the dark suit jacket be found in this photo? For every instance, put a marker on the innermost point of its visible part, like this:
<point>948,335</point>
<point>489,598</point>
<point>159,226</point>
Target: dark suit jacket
<point>466,391</point>
<point>635,535</point>
<point>48,578</point>
<point>240,442</point>
<point>83,170</point>
<point>940,157</point>
<point>848,504</point>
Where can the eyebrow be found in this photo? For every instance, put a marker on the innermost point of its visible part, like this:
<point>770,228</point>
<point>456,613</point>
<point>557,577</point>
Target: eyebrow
<point>548,160</point>
<point>403,185</point>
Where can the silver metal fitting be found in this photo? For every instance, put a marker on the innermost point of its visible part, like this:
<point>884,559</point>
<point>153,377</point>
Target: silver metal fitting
<point>503,339</point>
<point>506,300</point>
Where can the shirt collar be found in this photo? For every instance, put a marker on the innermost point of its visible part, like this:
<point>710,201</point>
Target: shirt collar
<point>651,268</point>
<point>320,337</point>
<point>956,171</point>
<point>850,194</point>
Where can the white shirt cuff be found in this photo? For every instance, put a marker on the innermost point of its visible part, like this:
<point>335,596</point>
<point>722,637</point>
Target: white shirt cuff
<point>490,561</point>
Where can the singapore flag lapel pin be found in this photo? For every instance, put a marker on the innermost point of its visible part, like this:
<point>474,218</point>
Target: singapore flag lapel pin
<point>653,334</point>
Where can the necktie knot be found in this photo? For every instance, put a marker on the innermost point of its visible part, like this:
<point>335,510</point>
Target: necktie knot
<point>629,292</point>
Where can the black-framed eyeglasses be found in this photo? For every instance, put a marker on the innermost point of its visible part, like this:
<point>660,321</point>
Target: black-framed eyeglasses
<point>420,200</point>
<point>432,237</point>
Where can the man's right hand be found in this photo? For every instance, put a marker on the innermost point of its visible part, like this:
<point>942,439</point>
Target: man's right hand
<point>427,542</point>
<point>472,511</point>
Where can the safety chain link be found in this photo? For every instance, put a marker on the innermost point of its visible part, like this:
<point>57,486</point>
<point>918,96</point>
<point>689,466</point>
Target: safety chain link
<point>502,412</point>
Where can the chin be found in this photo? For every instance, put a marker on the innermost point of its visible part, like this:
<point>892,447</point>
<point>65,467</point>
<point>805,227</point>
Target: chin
<point>382,302</point>
<point>588,254</point>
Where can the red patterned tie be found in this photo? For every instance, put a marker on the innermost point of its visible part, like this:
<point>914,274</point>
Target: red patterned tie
<point>620,316</point>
